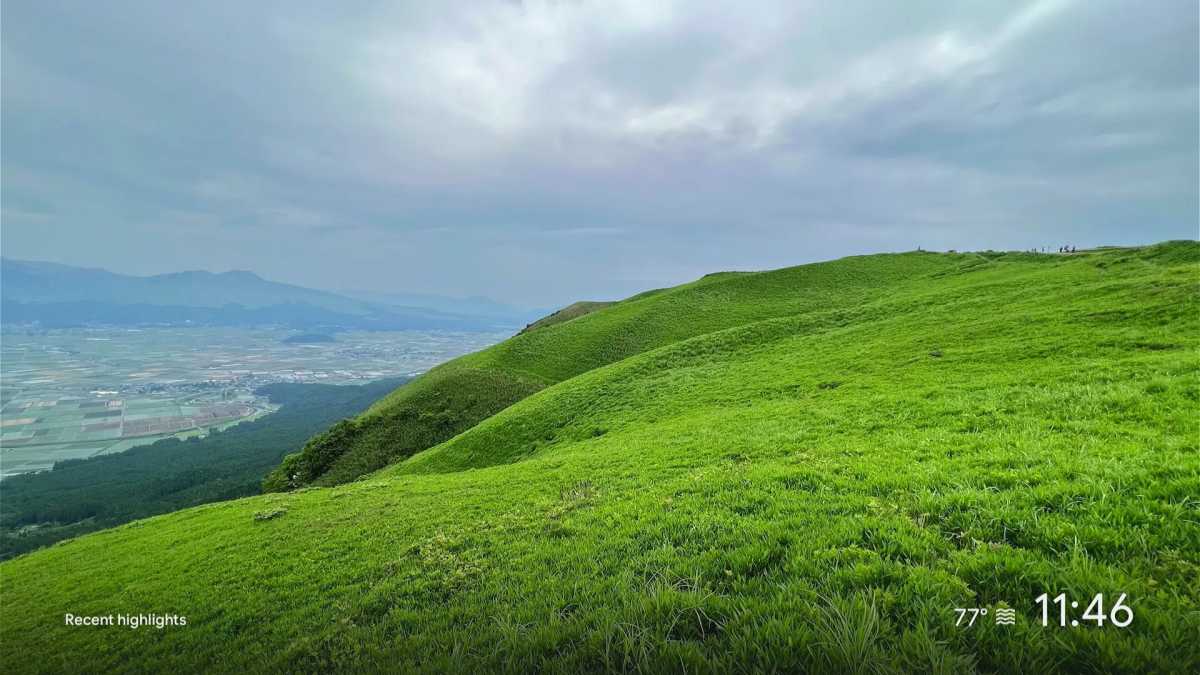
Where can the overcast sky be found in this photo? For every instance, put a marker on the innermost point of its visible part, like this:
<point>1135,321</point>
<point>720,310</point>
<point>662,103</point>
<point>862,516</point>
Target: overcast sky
<point>544,152</point>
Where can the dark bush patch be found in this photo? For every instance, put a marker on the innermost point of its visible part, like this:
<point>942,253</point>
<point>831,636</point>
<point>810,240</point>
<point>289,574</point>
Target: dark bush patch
<point>269,515</point>
<point>1155,346</point>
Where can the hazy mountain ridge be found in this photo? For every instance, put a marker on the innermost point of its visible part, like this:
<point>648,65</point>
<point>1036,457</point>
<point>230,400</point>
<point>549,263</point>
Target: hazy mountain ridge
<point>62,295</point>
<point>470,306</point>
<point>41,282</point>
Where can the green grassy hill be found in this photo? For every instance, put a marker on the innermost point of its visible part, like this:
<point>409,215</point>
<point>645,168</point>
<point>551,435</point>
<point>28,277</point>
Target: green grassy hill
<point>805,469</point>
<point>459,394</point>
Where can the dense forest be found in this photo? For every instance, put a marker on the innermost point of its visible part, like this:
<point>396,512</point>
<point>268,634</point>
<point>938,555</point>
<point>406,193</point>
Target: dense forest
<point>81,496</point>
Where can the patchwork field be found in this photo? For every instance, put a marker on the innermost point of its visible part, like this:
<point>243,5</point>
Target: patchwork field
<point>39,433</point>
<point>69,394</point>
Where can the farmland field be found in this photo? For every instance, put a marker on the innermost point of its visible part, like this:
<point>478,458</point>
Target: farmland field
<point>78,393</point>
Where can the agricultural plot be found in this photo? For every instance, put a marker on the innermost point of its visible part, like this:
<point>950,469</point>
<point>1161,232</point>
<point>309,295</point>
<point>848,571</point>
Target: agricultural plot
<point>71,394</point>
<point>38,433</point>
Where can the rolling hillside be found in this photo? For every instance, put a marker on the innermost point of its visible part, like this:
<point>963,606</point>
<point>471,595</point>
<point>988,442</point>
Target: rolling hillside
<point>459,394</point>
<point>805,469</point>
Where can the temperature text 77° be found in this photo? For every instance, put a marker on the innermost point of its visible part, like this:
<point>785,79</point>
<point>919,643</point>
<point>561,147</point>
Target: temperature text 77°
<point>968,615</point>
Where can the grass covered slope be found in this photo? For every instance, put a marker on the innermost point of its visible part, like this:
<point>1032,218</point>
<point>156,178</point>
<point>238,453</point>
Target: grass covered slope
<point>814,491</point>
<point>457,395</point>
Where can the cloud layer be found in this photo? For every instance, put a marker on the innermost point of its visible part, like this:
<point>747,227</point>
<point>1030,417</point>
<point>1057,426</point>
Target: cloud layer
<point>545,151</point>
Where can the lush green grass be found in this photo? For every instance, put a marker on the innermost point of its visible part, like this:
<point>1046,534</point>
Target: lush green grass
<point>798,470</point>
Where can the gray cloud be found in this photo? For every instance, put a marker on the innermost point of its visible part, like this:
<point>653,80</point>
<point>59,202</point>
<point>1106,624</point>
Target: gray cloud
<point>486,147</point>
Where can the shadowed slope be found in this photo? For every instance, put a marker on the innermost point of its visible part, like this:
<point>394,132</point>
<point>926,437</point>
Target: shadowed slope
<point>571,311</point>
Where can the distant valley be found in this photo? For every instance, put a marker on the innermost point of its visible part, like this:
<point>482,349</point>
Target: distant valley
<point>73,393</point>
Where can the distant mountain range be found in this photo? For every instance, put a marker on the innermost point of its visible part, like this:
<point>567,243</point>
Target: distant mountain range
<point>57,295</point>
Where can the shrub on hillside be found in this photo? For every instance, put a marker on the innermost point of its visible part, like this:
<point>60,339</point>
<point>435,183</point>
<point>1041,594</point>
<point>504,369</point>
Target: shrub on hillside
<point>317,455</point>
